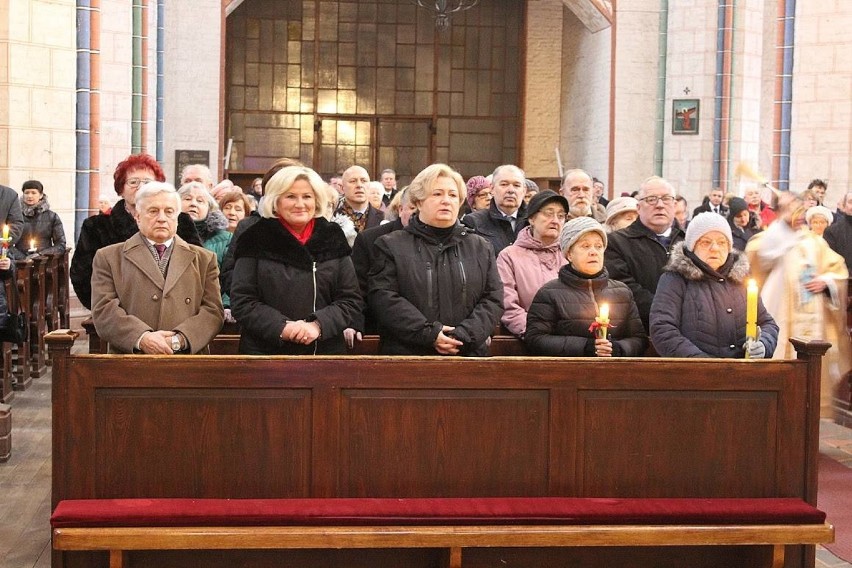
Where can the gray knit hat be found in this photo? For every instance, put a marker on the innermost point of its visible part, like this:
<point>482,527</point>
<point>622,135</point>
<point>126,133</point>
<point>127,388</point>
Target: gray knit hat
<point>704,223</point>
<point>576,228</point>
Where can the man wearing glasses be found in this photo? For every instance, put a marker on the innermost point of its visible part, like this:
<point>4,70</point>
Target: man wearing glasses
<point>119,224</point>
<point>577,187</point>
<point>637,254</point>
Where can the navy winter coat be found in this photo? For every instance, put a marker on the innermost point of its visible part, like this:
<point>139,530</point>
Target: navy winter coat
<point>698,312</point>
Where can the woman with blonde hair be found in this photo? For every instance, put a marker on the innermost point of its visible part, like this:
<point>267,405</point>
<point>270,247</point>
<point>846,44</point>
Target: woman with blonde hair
<point>294,288</point>
<point>434,286</point>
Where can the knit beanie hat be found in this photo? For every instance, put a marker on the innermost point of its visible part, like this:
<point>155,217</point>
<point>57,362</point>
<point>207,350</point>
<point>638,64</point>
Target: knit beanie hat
<point>736,205</point>
<point>576,228</point>
<point>620,205</point>
<point>704,223</point>
<point>530,185</point>
<point>819,210</point>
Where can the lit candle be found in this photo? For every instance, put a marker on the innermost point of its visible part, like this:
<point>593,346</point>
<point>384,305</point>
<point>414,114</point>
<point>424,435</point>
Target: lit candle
<point>751,310</point>
<point>32,245</point>
<point>604,315</point>
<point>5,231</point>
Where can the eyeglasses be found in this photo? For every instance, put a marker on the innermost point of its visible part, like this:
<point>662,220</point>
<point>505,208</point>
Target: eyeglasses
<point>548,214</point>
<point>136,182</point>
<point>721,244</point>
<point>652,200</point>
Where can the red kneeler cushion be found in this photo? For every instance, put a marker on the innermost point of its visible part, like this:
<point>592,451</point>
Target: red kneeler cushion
<point>430,511</point>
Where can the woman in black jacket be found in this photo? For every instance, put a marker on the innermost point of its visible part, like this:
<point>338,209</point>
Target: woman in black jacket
<point>434,286</point>
<point>294,288</point>
<point>561,317</point>
<point>43,232</point>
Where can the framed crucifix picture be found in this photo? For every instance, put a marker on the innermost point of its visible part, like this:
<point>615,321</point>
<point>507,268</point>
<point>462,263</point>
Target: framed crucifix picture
<point>685,116</point>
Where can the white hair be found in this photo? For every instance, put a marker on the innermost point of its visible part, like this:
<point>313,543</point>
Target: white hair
<point>154,188</point>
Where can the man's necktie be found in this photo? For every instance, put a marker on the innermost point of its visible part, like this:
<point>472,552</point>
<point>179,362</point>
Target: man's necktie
<point>161,249</point>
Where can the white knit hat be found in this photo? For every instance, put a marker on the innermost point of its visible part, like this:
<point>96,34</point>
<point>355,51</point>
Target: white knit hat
<point>576,228</point>
<point>620,205</point>
<point>819,210</point>
<point>704,223</point>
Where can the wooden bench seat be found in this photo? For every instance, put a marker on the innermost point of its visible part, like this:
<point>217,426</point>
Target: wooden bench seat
<point>121,525</point>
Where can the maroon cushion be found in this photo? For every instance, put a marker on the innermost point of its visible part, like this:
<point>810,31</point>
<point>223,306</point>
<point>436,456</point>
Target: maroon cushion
<point>429,511</point>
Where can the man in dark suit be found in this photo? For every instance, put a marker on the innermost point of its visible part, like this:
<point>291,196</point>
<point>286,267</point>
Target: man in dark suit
<point>507,214</point>
<point>388,180</point>
<point>155,293</point>
<point>354,203</point>
<point>714,204</point>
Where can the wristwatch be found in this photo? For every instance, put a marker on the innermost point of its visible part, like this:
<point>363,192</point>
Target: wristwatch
<point>176,343</point>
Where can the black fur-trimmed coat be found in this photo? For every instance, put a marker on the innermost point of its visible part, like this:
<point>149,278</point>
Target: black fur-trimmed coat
<point>276,279</point>
<point>698,312</point>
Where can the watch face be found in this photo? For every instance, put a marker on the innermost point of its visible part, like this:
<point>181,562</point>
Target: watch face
<point>175,343</point>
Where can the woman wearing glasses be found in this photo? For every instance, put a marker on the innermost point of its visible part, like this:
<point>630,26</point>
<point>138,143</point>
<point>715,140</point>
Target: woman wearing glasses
<point>699,309</point>
<point>533,259</point>
<point>563,313</point>
<point>120,224</point>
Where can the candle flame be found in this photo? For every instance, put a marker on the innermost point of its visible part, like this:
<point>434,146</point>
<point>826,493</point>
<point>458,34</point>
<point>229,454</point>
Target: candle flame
<point>604,312</point>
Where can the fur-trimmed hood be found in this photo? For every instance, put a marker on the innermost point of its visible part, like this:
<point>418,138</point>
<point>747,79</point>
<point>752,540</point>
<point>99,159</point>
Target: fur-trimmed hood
<point>212,224</point>
<point>268,239</point>
<point>681,264</point>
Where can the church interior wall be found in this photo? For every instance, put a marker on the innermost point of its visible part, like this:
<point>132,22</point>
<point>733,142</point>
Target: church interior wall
<point>193,78</point>
<point>544,69</point>
<point>37,99</point>
<point>637,29</point>
<point>821,135</point>
<point>116,80</point>
<point>690,74</point>
<point>584,139</point>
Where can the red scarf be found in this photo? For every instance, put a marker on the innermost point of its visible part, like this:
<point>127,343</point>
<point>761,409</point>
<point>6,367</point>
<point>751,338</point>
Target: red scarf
<point>306,233</point>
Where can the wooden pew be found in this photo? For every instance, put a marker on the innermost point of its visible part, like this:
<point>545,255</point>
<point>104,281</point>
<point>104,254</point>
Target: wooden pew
<point>53,274</point>
<point>454,524</point>
<point>21,361</point>
<point>37,309</point>
<point>63,301</point>
<point>7,379</point>
<point>236,427</point>
<point>843,402</point>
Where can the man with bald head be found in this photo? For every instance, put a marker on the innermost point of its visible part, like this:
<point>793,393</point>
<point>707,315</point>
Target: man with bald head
<point>578,189</point>
<point>354,203</point>
<point>637,253</point>
<point>197,172</point>
<point>507,214</point>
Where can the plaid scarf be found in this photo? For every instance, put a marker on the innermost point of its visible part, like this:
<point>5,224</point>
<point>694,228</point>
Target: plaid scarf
<point>358,219</point>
